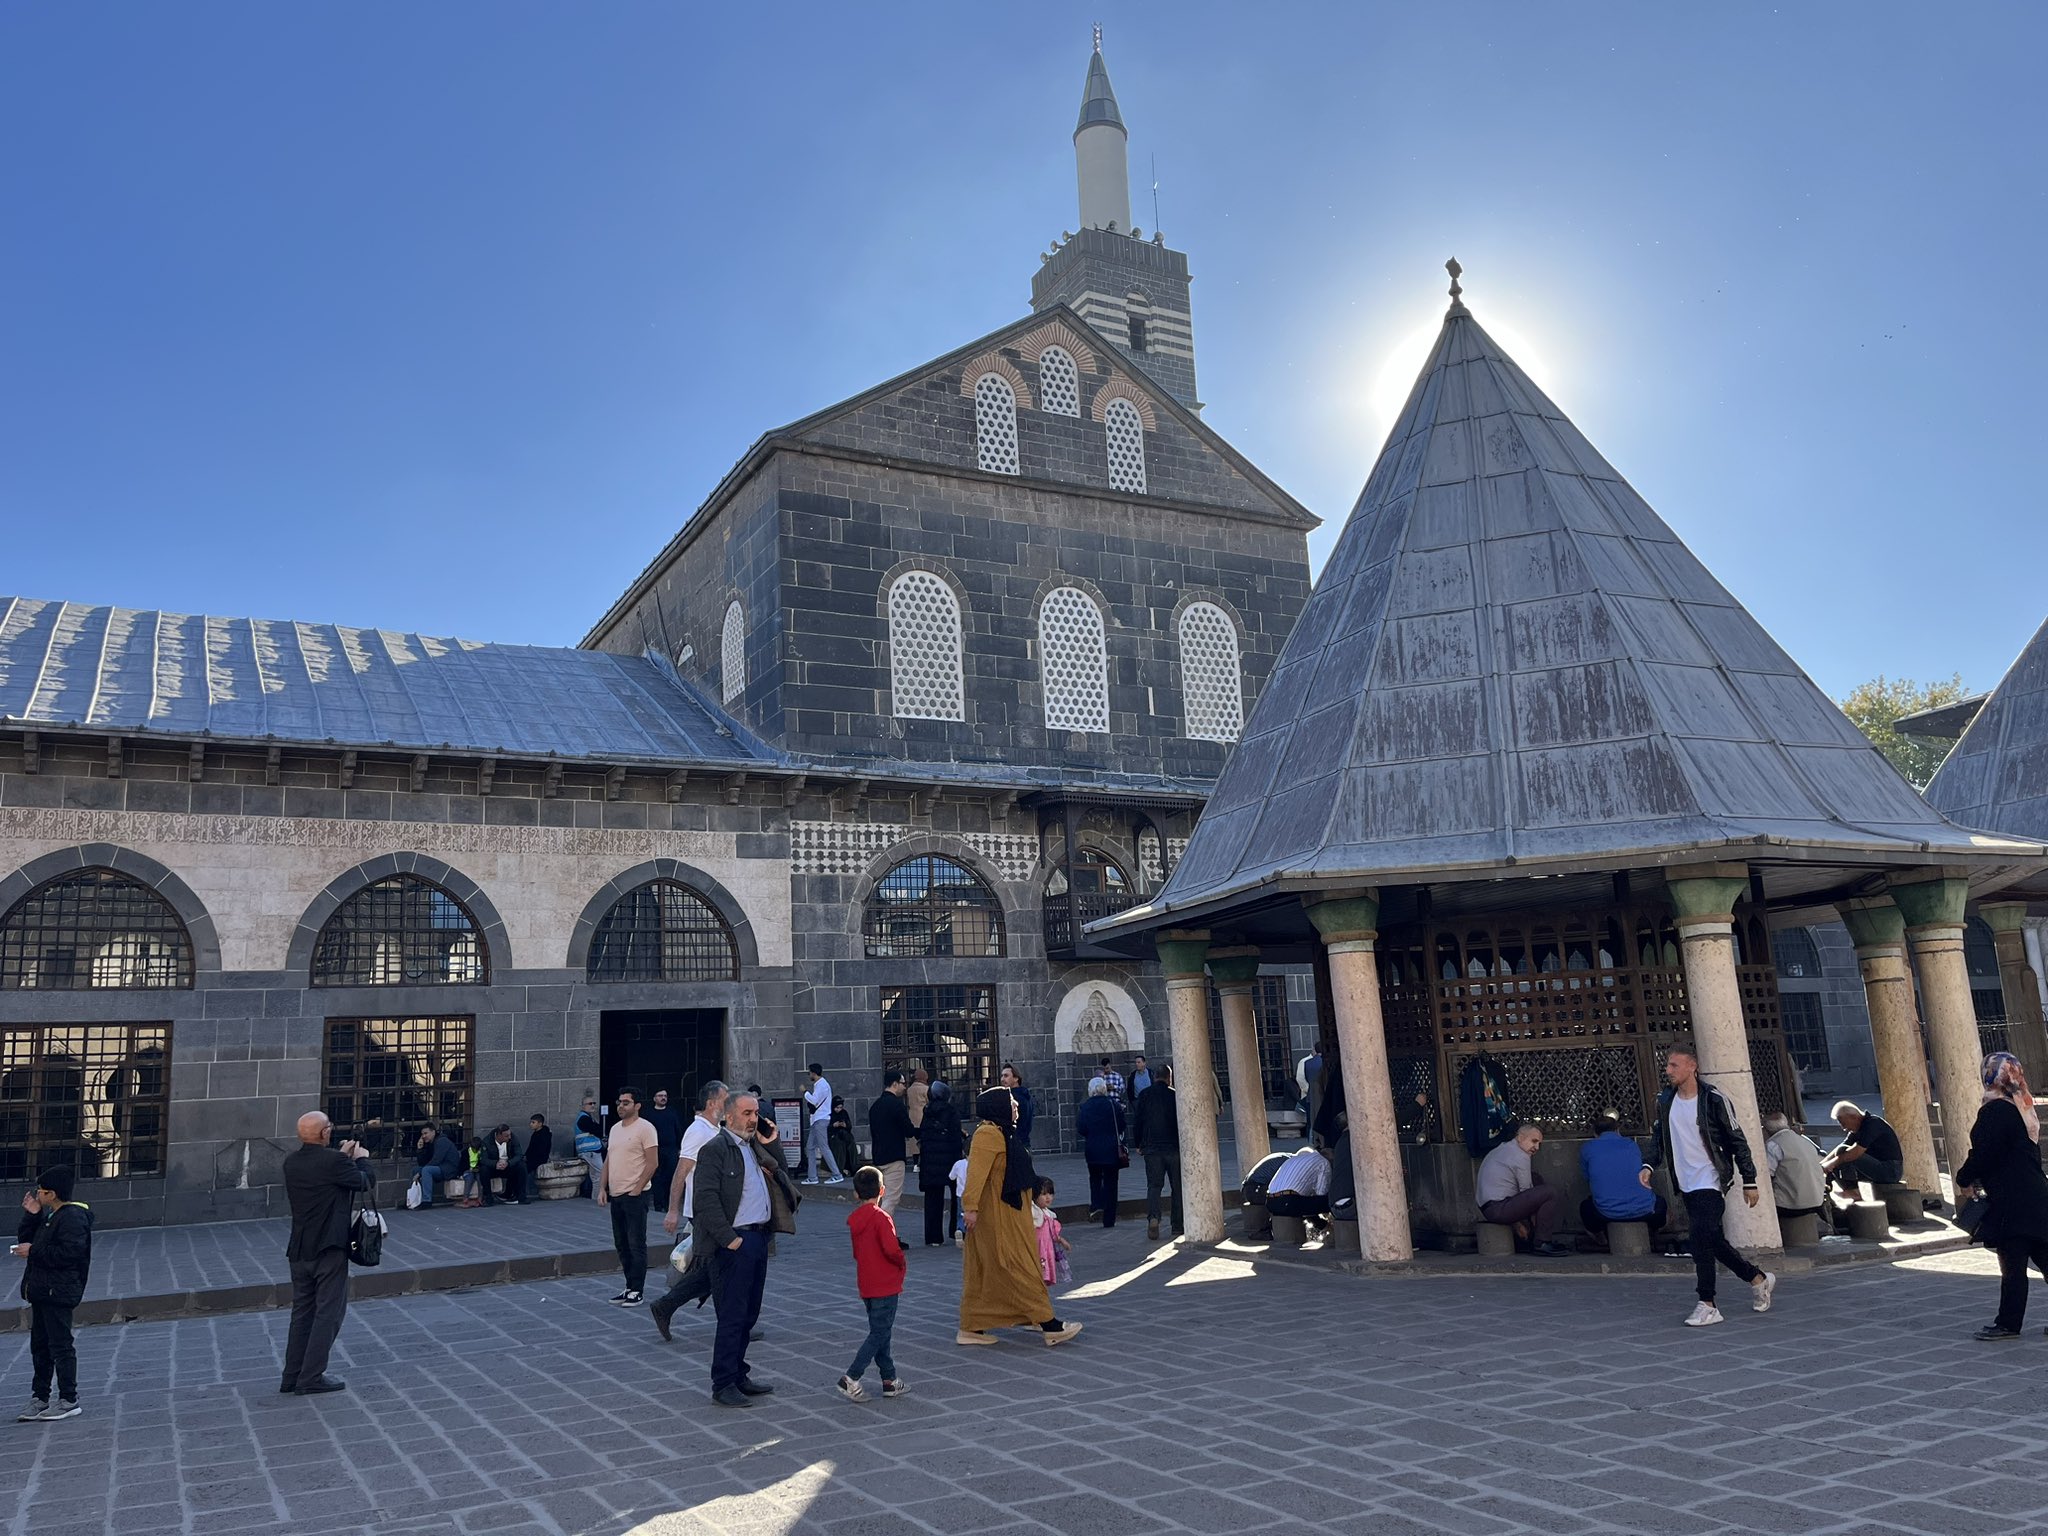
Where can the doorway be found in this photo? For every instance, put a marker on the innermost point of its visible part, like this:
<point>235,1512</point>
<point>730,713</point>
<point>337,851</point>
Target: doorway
<point>648,1048</point>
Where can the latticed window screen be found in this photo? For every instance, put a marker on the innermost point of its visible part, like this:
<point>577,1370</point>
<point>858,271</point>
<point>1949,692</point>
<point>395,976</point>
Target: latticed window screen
<point>1806,1036</point>
<point>949,1031</point>
<point>1562,1089</point>
<point>933,906</point>
<point>94,1098</point>
<point>1211,681</point>
<point>383,1079</point>
<point>1073,661</point>
<point>1269,1017</point>
<point>732,653</point>
<point>1059,382</point>
<point>924,648</point>
<point>663,931</point>
<point>95,928</point>
<point>400,932</point>
<point>995,424</point>
<point>1124,432</point>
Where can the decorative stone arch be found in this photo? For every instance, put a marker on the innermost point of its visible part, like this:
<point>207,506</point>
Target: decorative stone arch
<point>179,896</point>
<point>1002,368</point>
<point>1059,334</point>
<point>722,901</point>
<point>1192,595</point>
<point>1124,857</point>
<point>913,845</point>
<point>1119,387</point>
<point>491,927</point>
<point>927,663</point>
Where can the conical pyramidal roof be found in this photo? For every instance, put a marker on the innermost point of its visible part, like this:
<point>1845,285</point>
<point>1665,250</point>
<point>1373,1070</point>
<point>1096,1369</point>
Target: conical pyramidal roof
<point>1997,776</point>
<point>1098,100</point>
<point>1511,660</point>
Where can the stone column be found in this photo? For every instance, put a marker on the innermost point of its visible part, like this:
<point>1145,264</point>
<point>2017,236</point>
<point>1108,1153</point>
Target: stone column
<point>2007,921</point>
<point>1704,897</point>
<point>1347,924</point>
<point>1234,972</point>
<point>1933,904</point>
<point>1879,931</point>
<point>1182,953</point>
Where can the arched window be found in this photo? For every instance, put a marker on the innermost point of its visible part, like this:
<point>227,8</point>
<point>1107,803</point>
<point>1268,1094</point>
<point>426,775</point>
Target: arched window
<point>399,932</point>
<point>92,929</point>
<point>932,906</point>
<point>1794,954</point>
<point>1211,679</point>
<point>732,652</point>
<point>1980,952</point>
<point>1124,432</point>
<point>1073,662</point>
<point>1059,382</point>
<point>663,931</point>
<point>924,648</point>
<point>995,424</point>
<point>1090,872</point>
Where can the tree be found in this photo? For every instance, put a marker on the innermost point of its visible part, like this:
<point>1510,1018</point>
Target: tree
<point>1876,706</point>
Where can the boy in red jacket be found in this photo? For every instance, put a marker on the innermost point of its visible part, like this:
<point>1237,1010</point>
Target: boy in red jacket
<point>879,1266</point>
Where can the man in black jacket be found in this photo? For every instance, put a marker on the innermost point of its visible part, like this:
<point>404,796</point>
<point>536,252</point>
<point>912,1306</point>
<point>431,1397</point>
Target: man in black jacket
<point>321,1184</point>
<point>540,1143</point>
<point>55,1237</point>
<point>739,1199</point>
<point>667,1121</point>
<point>1155,1131</point>
<point>502,1158</point>
<point>889,1132</point>
<point>1696,1129</point>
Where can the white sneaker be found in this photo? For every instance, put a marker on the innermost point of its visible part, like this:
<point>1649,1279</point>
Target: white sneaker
<point>850,1389</point>
<point>807,1181</point>
<point>1705,1315</point>
<point>1761,1288</point>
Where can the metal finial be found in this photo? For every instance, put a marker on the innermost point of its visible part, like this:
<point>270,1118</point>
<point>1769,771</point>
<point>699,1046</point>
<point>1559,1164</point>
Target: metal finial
<point>1456,272</point>
<point>1098,37</point>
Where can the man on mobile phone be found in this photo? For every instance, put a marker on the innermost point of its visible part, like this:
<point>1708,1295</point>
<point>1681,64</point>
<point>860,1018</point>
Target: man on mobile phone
<point>55,1237</point>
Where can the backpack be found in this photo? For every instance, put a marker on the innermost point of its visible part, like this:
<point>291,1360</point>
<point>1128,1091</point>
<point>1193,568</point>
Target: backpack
<point>1483,1105</point>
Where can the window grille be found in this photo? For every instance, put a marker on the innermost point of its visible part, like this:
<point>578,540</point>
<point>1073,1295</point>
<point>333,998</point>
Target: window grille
<point>1211,677</point>
<point>663,931</point>
<point>924,648</point>
<point>933,906</point>
<point>401,931</point>
<point>1794,954</point>
<point>1269,1020</point>
<point>1124,431</point>
<point>94,1098</point>
<point>949,1031</point>
<point>1059,382</point>
<point>1980,950</point>
<point>1806,1035</point>
<point>732,653</point>
<point>93,929</point>
<point>995,424</point>
<point>387,1078</point>
<point>1073,662</point>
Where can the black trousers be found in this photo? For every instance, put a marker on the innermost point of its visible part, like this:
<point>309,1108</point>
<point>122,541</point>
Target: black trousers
<point>629,1237</point>
<point>2013,1259</point>
<point>693,1284</point>
<point>664,1176</point>
<point>936,1228</point>
<point>1159,1168</point>
<point>319,1303</point>
<point>1705,1209</point>
<point>1102,1190</point>
<point>51,1349</point>
<point>1288,1203</point>
<point>515,1184</point>
<point>738,1278</point>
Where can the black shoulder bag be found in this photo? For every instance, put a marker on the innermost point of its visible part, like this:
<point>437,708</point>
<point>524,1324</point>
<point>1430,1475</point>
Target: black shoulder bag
<point>366,1232</point>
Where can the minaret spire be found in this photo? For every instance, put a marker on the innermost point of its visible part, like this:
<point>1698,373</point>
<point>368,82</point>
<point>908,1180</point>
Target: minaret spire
<point>1102,151</point>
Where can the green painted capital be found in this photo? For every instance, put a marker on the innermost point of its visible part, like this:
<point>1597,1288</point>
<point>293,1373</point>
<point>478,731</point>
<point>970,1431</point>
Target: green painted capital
<point>1706,895</point>
<point>1182,957</point>
<point>1347,914</point>
<point>1936,903</point>
<point>1873,923</point>
<point>2003,916</point>
<point>1233,967</point>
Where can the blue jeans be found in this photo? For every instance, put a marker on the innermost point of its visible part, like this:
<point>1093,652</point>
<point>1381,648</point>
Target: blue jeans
<point>427,1176</point>
<point>875,1347</point>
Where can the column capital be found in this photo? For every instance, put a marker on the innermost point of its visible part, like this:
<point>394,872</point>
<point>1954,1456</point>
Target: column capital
<point>1234,968</point>
<point>1874,923</point>
<point>1182,952</point>
<point>1705,894</point>
<point>2003,916</point>
<point>1345,915</point>
<point>1931,898</point>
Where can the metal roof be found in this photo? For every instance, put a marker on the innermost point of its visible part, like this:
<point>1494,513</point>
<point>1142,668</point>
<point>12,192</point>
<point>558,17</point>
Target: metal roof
<point>1098,101</point>
<point>1997,776</point>
<point>120,670</point>
<point>1510,660</point>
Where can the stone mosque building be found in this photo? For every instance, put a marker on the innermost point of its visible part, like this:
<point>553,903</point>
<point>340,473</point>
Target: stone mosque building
<point>932,679</point>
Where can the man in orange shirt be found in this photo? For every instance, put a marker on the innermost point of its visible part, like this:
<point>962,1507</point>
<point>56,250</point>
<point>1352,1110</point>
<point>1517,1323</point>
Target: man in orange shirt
<point>631,1154</point>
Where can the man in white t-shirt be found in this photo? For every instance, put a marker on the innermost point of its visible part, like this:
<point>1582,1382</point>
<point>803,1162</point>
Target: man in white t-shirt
<point>1696,1126</point>
<point>818,1105</point>
<point>694,1282</point>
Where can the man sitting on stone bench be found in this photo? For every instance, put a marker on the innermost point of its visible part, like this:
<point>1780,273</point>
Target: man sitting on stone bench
<point>1613,1166</point>
<point>1799,1181</point>
<point>1301,1187</point>
<point>1871,1154</point>
<point>1510,1194</point>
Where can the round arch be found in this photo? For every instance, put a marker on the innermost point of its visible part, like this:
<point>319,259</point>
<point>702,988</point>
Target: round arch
<point>299,955</point>
<point>190,909</point>
<point>608,895</point>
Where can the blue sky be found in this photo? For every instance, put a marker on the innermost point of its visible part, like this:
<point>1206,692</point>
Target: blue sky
<point>445,317</point>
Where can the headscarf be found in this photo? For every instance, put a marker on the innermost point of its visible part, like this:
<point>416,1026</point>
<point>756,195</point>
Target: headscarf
<point>998,1107</point>
<point>2005,1078</point>
<point>940,1092</point>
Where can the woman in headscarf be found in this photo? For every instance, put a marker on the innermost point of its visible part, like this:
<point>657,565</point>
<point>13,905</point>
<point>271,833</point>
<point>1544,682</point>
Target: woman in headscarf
<point>2005,1163</point>
<point>939,1148</point>
<point>1100,1125</point>
<point>1001,1286</point>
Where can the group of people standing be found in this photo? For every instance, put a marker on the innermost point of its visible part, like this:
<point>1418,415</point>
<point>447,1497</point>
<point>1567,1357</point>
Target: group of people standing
<point>1119,1117</point>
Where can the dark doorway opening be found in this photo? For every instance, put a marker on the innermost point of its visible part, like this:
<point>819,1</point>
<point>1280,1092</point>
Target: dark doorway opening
<point>674,1048</point>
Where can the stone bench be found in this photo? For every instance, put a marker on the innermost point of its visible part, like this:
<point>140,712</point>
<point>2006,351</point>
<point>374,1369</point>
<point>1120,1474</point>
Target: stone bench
<point>1344,1239</point>
<point>1868,1221</point>
<point>1288,1231</point>
<point>1496,1241</point>
<point>1901,1202</point>
<point>1256,1220</point>
<point>1800,1231</point>
<point>1628,1239</point>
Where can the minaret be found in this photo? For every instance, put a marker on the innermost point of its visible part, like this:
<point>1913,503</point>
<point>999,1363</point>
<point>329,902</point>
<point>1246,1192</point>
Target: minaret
<point>1133,290</point>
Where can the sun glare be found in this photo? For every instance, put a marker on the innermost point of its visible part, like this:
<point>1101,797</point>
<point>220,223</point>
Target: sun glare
<point>1402,363</point>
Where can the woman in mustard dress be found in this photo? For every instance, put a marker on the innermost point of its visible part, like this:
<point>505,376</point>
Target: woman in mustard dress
<point>1002,1286</point>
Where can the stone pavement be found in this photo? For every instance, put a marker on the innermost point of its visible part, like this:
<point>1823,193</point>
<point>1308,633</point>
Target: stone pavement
<point>1209,1393</point>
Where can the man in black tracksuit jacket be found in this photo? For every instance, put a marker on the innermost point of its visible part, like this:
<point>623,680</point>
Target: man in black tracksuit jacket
<point>1696,1130</point>
<point>55,1237</point>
